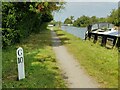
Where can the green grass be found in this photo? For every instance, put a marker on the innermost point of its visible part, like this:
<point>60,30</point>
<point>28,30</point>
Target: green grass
<point>99,62</point>
<point>0,63</point>
<point>41,69</point>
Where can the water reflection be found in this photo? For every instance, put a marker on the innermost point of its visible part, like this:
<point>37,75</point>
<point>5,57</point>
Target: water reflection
<point>78,32</point>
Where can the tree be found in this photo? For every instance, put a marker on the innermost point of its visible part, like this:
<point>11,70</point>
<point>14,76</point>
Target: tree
<point>20,19</point>
<point>113,17</point>
<point>72,17</point>
<point>102,19</point>
<point>82,21</point>
<point>68,21</point>
<point>94,19</point>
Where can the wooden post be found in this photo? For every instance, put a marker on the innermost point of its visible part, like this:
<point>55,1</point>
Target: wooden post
<point>104,40</point>
<point>89,35</point>
<point>118,42</point>
<point>114,41</point>
<point>95,38</point>
<point>89,31</point>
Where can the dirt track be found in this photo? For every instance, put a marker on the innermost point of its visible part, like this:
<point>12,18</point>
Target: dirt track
<point>73,74</point>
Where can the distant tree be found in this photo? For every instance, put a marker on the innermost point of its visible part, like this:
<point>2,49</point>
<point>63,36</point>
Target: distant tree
<point>68,21</point>
<point>76,23</point>
<point>102,19</point>
<point>83,21</point>
<point>94,19</point>
<point>72,17</point>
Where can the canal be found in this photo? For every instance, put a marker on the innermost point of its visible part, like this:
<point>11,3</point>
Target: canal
<point>78,32</point>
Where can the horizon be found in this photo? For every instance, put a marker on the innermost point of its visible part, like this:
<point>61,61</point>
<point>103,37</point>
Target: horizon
<point>98,9</point>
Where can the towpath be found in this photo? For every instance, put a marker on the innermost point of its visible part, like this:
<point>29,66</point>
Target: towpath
<point>73,73</point>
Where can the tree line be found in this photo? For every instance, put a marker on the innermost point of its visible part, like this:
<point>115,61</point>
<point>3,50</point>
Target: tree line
<point>84,21</point>
<point>20,19</point>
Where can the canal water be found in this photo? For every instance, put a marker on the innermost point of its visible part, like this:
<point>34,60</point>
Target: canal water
<point>78,32</point>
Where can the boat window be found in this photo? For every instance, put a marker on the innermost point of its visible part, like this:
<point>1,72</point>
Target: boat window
<point>111,26</point>
<point>95,26</point>
<point>103,25</point>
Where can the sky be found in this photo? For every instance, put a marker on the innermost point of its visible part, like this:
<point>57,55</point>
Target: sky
<point>77,9</point>
<point>91,0</point>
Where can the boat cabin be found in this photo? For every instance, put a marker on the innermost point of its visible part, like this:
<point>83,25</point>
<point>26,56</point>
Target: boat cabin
<point>104,31</point>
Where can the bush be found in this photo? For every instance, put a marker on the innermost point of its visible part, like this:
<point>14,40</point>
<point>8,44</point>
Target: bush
<point>19,20</point>
<point>10,36</point>
<point>47,17</point>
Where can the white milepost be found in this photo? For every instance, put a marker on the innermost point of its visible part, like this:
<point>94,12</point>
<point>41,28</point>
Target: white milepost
<point>20,62</point>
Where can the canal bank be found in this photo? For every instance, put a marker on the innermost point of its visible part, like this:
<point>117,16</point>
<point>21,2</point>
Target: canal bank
<point>99,62</point>
<point>73,74</point>
<point>108,39</point>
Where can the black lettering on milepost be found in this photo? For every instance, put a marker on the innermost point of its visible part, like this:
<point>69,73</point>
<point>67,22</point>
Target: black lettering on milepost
<point>20,60</point>
<point>20,52</point>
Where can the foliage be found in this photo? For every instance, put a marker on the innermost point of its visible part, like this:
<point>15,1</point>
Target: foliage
<point>83,21</point>
<point>113,17</point>
<point>23,18</point>
<point>68,21</point>
<point>48,18</point>
<point>72,17</point>
<point>10,36</point>
<point>44,7</point>
<point>102,19</point>
<point>94,19</point>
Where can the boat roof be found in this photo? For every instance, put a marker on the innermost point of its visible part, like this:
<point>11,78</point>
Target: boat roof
<point>101,23</point>
<point>111,33</point>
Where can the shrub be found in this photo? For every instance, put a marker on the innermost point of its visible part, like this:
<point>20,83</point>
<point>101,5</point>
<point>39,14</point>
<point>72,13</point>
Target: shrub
<point>10,36</point>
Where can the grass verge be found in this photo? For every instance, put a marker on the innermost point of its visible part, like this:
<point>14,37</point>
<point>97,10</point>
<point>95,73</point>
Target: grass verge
<point>99,62</point>
<point>40,65</point>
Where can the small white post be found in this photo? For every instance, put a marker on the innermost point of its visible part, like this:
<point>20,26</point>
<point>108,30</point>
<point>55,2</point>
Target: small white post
<point>20,62</point>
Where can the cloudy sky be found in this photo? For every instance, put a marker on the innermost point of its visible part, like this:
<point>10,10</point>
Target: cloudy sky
<point>77,9</point>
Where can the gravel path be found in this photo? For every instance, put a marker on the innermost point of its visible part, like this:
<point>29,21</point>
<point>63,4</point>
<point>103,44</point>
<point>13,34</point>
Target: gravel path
<point>73,74</point>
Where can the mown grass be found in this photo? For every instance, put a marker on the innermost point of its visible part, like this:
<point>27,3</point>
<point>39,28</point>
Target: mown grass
<point>41,69</point>
<point>99,62</point>
<point>0,62</point>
